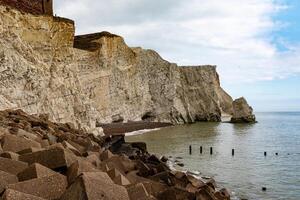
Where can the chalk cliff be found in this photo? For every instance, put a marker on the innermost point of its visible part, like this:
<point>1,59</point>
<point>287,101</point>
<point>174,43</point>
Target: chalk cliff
<point>94,78</point>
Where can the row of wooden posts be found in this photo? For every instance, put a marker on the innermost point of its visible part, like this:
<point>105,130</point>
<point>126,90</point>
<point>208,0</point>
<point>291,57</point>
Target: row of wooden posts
<point>211,151</point>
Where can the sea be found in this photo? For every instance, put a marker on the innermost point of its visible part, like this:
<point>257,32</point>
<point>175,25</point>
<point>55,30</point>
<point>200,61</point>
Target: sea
<point>249,170</point>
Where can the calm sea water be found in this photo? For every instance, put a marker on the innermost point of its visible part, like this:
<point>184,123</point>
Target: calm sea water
<point>249,170</point>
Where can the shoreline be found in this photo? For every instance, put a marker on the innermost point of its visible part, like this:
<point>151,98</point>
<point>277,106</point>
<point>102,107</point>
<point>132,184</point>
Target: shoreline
<point>129,127</point>
<point>72,158</point>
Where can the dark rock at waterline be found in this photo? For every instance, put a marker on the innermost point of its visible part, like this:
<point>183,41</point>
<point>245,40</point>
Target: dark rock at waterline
<point>164,159</point>
<point>180,164</point>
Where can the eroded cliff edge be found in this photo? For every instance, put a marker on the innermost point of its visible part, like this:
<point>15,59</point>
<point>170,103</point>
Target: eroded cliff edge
<point>94,78</point>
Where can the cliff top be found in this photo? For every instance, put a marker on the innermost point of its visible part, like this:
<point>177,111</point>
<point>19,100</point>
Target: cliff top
<point>86,42</point>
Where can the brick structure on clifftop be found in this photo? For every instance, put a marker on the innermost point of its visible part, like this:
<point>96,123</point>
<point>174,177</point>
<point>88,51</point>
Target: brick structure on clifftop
<point>37,7</point>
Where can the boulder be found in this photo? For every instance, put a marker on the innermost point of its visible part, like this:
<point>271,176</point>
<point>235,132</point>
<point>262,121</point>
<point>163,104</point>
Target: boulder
<point>10,194</point>
<point>205,194</point>
<point>105,155</point>
<point>67,145</point>
<point>29,150</point>
<point>117,118</point>
<point>134,178</point>
<point>242,112</point>
<point>10,155</point>
<point>176,194</point>
<point>94,159</point>
<point>121,180</point>
<point>78,168</point>
<point>12,166</point>
<point>123,164</point>
<point>144,170</point>
<point>6,179</point>
<point>95,186</point>
<point>118,177</point>
<point>25,134</point>
<point>48,187</point>
<point>195,182</point>
<point>190,188</point>
<point>79,147</point>
<point>35,171</point>
<point>138,191</point>
<point>222,194</point>
<point>52,158</point>
<point>14,143</point>
<point>45,143</point>
<point>154,188</point>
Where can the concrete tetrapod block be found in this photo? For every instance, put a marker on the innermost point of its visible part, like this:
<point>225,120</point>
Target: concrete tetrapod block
<point>49,187</point>
<point>14,143</point>
<point>23,133</point>
<point>123,164</point>
<point>12,166</point>
<point>105,155</point>
<point>95,186</point>
<point>16,195</point>
<point>52,158</point>
<point>79,147</point>
<point>79,167</point>
<point>138,191</point>
<point>72,148</point>
<point>35,171</point>
<point>6,179</point>
<point>118,177</point>
<point>94,159</point>
<point>10,155</point>
<point>29,150</point>
<point>176,193</point>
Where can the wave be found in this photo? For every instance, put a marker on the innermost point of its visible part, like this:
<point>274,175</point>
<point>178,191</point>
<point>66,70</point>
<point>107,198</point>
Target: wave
<point>141,132</point>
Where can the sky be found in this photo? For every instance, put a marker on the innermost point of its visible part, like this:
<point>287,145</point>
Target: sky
<point>254,43</point>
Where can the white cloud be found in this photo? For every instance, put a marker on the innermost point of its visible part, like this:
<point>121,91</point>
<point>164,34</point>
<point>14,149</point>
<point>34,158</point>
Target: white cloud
<point>236,35</point>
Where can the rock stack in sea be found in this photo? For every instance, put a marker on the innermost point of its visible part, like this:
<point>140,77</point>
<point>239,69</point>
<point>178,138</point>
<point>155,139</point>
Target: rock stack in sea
<point>40,159</point>
<point>242,112</point>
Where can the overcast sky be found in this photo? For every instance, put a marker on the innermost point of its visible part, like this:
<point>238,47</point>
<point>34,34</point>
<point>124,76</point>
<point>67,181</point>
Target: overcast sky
<point>255,43</point>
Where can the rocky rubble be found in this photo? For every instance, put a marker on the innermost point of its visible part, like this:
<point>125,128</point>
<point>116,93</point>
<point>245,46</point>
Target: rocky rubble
<point>41,159</point>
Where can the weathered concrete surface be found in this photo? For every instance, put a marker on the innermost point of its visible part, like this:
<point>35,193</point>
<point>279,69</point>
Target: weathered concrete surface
<point>12,166</point>
<point>94,186</point>
<point>16,195</point>
<point>48,187</point>
<point>6,179</point>
<point>35,171</point>
<point>15,144</point>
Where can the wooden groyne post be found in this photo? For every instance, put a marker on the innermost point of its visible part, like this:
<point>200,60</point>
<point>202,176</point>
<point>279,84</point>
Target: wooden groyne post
<point>190,149</point>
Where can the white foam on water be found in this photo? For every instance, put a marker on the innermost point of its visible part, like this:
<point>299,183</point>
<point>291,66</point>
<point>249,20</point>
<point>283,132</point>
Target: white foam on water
<point>141,132</point>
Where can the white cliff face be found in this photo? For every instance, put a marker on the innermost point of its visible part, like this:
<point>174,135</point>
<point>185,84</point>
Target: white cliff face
<point>41,72</point>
